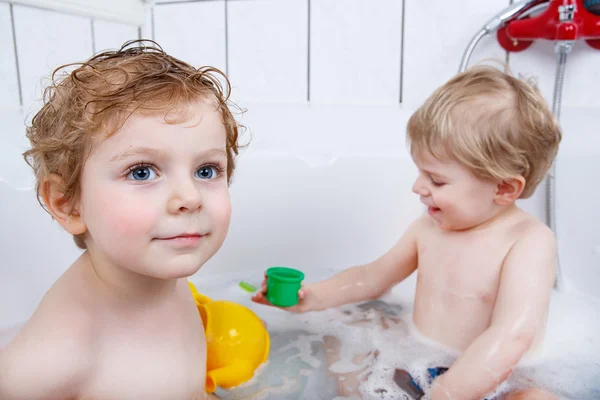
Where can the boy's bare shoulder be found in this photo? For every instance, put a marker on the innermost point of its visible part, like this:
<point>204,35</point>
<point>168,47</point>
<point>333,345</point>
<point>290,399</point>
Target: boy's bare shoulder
<point>52,355</point>
<point>422,224</point>
<point>528,228</point>
<point>422,228</point>
<point>534,249</point>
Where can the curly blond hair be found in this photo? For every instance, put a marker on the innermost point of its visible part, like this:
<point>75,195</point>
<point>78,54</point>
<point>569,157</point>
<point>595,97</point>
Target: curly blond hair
<point>496,125</point>
<point>97,97</point>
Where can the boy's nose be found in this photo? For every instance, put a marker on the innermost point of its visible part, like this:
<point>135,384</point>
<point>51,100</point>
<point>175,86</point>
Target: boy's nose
<point>419,187</point>
<point>185,196</point>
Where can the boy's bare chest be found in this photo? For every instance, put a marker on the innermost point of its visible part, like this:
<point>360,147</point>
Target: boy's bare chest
<point>457,286</point>
<point>468,266</point>
<point>162,362</point>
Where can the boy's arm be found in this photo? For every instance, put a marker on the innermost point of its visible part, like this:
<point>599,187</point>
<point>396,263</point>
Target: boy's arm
<point>41,365</point>
<point>520,313</point>
<point>360,283</point>
<point>368,281</point>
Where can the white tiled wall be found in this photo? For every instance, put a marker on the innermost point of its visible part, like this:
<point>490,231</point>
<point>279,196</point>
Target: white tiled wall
<point>356,51</point>
<point>192,31</point>
<point>9,86</point>
<point>268,44</point>
<point>65,39</point>
<point>329,85</point>
<point>436,34</point>
<point>107,35</point>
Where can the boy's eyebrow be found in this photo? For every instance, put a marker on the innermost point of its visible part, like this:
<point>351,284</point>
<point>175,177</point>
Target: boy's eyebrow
<point>433,173</point>
<point>149,151</point>
<point>138,151</point>
<point>214,152</point>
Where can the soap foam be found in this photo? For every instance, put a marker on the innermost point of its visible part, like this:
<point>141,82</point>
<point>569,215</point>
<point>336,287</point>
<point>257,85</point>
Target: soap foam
<point>568,363</point>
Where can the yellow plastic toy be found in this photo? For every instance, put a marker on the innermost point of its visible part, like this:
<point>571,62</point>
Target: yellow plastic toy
<point>236,341</point>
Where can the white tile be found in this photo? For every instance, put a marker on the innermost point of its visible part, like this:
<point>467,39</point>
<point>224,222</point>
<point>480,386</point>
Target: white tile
<point>193,32</point>
<point>436,34</point>
<point>58,39</point>
<point>355,51</point>
<point>9,83</point>
<point>582,77</point>
<point>268,49</point>
<point>112,35</point>
<point>14,171</point>
<point>582,72</point>
<point>147,29</point>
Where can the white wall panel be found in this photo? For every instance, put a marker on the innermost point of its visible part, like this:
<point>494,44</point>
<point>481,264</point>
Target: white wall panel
<point>59,39</point>
<point>112,35</point>
<point>193,32</point>
<point>125,11</point>
<point>9,84</point>
<point>147,29</point>
<point>436,34</point>
<point>355,51</point>
<point>268,49</point>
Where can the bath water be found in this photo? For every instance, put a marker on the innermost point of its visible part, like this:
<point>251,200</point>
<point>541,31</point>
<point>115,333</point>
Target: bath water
<point>568,363</point>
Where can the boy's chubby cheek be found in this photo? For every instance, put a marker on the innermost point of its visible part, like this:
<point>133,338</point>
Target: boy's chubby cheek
<point>220,211</point>
<point>124,214</point>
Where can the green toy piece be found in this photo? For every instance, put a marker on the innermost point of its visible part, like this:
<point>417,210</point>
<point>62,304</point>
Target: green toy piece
<point>248,287</point>
<point>283,285</point>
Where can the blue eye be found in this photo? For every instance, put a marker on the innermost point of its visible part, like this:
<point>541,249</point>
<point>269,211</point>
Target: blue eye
<point>207,172</point>
<point>141,173</point>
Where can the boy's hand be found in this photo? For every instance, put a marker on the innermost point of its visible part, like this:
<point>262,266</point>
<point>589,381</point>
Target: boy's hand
<point>303,299</point>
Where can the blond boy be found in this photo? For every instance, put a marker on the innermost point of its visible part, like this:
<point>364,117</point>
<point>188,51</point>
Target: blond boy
<point>132,152</point>
<point>485,268</point>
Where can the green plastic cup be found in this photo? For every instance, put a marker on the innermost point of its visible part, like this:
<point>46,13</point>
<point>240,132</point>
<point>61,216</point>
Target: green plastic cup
<point>283,285</point>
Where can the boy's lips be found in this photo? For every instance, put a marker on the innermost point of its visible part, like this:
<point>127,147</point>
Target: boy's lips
<point>184,240</point>
<point>432,210</point>
<point>182,236</point>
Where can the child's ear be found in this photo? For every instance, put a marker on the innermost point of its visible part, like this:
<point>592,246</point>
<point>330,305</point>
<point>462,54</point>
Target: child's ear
<point>509,190</point>
<point>61,209</point>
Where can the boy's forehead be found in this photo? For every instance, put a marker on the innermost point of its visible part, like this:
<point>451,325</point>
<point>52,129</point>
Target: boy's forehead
<point>177,112</point>
<point>442,165</point>
<point>199,123</point>
<point>429,160</point>
<point>187,112</point>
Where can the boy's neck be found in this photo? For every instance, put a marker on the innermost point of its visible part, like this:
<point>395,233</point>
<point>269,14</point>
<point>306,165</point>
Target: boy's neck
<point>500,215</point>
<point>125,287</point>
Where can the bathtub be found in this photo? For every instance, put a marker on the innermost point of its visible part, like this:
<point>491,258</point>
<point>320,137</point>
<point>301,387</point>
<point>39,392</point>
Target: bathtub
<point>320,199</point>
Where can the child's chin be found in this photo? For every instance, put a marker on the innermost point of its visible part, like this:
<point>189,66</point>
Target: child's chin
<point>168,271</point>
<point>182,271</point>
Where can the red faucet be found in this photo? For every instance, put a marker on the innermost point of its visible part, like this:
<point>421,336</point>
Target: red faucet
<point>563,20</point>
